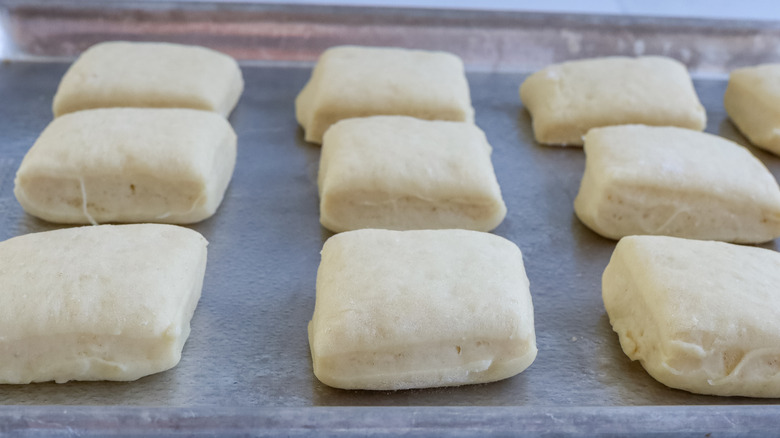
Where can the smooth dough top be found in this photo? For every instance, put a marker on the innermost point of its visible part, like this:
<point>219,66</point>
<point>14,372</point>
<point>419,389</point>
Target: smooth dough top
<point>73,280</point>
<point>387,159</point>
<point>566,100</point>
<point>752,100</point>
<point>701,316</point>
<point>174,144</point>
<point>676,157</point>
<point>163,75</point>
<point>764,79</point>
<point>351,81</point>
<point>380,290</point>
<point>170,142</point>
<point>670,173</point>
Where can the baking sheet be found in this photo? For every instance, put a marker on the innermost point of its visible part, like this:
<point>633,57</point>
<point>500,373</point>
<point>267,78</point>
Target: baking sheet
<point>246,366</point>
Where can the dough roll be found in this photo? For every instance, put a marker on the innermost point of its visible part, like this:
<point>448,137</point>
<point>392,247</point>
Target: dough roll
<point>97,303</point>
<point>128,165</point>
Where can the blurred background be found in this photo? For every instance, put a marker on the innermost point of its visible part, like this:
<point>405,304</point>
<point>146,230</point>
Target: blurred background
<point>710,37</point>
<point>718,9</point>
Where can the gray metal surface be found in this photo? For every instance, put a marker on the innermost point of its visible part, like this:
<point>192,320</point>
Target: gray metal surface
<point>246,367</point>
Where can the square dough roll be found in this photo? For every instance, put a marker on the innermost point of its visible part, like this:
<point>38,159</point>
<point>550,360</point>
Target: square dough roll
<point>402,173</point>
<point>675,182</point>
<point>158,75</point>
<point>351,81</point>
<point>97,303</point>
<point>414,309</point>
<point>699,316</point>
<point>128,165</point>
<point>752,101</point>
<point>566,100</point>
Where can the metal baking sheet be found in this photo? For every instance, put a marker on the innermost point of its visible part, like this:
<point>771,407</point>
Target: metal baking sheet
<point>246,368</point>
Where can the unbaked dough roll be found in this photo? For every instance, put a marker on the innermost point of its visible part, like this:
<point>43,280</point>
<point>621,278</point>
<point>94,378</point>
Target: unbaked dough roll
<point>752,101</point>
<point>675,182</point>
<point>402,173</point>
<point>351,81</point>
<point>566,100</point>
<point>128,165</point>
<point>158,75</point>
<point>97,303</point>
<point>423,308</point>
<point>699,316</point>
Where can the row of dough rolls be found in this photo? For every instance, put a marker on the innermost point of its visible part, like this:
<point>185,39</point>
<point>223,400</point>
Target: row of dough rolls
<point>696,313</point>
<point>568,99</point>
<point>140,135</point>
<point>648,169</point>
<point>399,146</point>
<point>413,293</point>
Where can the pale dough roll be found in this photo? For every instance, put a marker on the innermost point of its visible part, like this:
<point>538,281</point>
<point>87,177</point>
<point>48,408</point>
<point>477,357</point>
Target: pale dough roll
<point>699,316</point>
<point>566,100</point>
<point>402,173</point>
<point>128,165</point>
<point>351,81</point>
<point>415,309</point>
<point>675,182</point>
<point>752,101</point>
<point>159,75</point>
<point>97,303</point>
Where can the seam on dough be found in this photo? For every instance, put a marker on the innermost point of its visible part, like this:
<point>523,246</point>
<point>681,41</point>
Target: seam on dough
<point>669,221</point>
<point>691,348</point>
<point>455,201</point>
<point>195,204</point>
<point>755,355</point>
<point>84,202</point>
<point>674,371</point>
